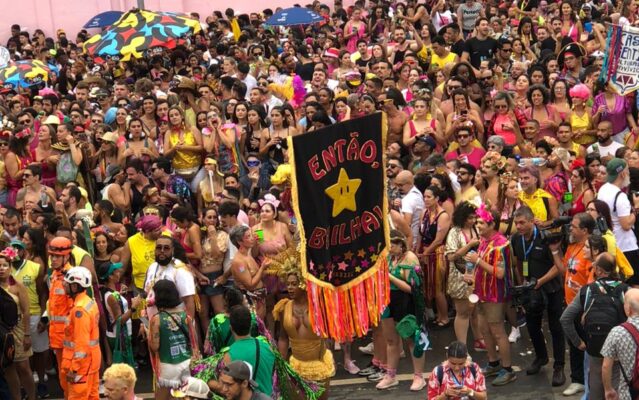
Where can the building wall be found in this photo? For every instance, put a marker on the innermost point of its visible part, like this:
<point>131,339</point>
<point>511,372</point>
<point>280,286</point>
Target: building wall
<point>71,15</point>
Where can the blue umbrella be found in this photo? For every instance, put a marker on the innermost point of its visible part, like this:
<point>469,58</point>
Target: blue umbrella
<point>106,18</point>
<point>294,16</point>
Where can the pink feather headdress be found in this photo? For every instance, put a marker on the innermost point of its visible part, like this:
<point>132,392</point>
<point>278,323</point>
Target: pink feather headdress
<point>484,213</point>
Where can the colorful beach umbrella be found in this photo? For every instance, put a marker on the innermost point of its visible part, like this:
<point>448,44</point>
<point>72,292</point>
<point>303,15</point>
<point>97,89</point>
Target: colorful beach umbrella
<point>138,31</point>
<point>24,73</point>
<point>294,16</point>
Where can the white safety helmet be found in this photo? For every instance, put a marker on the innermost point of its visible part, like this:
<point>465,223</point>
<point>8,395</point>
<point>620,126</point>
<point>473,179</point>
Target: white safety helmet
<point>79,275</point>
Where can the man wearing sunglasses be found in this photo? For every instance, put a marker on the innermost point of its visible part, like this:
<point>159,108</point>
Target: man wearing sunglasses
<point>466,152</point>
<point>33,191</point>
<point>167,267</point>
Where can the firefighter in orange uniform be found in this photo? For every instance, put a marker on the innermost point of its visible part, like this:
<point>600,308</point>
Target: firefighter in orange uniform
<point>81,356</point>
<point>59,304</point>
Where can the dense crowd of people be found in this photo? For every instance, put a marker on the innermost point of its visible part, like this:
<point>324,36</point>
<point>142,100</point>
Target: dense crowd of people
<point>147,215</point>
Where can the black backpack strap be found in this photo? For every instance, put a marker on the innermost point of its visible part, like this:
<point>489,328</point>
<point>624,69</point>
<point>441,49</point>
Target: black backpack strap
<point>614,203</point>
<point>439,370</point>
<point>547,206</point>
<point>635,337</point>
<point>257,358</point>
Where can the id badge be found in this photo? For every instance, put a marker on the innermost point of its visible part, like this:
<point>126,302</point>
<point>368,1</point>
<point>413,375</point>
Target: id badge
<point>525,269</point>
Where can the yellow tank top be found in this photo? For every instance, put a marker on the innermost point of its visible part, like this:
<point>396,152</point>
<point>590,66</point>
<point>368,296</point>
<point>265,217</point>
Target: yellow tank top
<point>536,203</point>
<point>441,62</point>
<point>27,275</point>
<point>184,159</point>
<point>579,124</point>
<point>78,254</point>
<point>142,256</point>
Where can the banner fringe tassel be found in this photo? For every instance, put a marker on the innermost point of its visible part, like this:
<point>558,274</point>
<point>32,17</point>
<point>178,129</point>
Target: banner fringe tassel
<point>345,313</point>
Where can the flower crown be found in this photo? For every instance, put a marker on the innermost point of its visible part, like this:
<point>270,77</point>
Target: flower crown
<point>26,132</point>
<point>10,253</point>
<point>494,160</point>
<point>505,178</point>
<point>484,213</point>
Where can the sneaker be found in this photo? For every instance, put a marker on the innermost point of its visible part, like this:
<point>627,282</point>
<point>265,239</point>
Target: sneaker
<point>377,376</point>
<point>418,383</point>
<point>368,349</point>
<point>504,377</point>
<point>491,371</point>
<point>386,383</point>
<point>351,368</point>
<point>573,389</point>
<point>35,378</point>
<point>51,372</point>
<point>370,370</point>
<point>515,334</point>
<point>42,391</point>
<point>479,345</point>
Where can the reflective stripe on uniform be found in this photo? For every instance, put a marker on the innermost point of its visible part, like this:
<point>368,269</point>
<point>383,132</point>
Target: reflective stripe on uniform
<point>71,345</point>
<point>58,291</point>
<point>79,354</point>
<point>59,318</point>
<point>89,305</point>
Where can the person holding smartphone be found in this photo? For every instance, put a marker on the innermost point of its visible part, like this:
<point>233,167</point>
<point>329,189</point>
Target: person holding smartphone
<point>457,378</point>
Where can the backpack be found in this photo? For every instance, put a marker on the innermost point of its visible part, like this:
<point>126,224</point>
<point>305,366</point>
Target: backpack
<point>603,310</point>
<point>633,383</point>
<point>66,170</point>
<point>8,320</point>
<point>439,371</point>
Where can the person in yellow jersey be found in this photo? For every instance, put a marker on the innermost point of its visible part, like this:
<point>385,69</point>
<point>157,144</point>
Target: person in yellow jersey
<point>440,55</point>
<point>543,205</point>
<point>137,256</point>
<point>31,275</point>
<point>81,355</point>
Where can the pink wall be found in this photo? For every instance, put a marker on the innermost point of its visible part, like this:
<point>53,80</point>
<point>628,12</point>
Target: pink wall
<point>70,15</point>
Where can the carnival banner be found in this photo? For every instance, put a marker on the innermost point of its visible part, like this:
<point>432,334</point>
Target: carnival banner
<point>339,197</point>
<point>621,62</point>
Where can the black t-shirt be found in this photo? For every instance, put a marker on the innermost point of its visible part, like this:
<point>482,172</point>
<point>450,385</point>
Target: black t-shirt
<point>458,47</point>
<point>305,71</point>
<point>480,50</point>
<point>539,259</point>
<point>548,43</point>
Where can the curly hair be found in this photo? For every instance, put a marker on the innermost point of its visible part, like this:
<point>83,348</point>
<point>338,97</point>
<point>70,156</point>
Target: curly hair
<point>464,210</point>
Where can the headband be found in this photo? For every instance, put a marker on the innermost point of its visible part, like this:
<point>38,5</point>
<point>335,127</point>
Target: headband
<point>269,199</point>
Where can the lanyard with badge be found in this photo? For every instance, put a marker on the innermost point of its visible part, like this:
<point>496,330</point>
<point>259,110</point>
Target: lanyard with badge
<point>527,251</point>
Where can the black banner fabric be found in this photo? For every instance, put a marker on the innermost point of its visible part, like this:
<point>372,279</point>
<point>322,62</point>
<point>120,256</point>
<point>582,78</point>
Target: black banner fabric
<point>341,200</point>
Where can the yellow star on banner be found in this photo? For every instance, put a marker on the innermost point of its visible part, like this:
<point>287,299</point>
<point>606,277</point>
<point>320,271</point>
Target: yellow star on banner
<point>343,193</point>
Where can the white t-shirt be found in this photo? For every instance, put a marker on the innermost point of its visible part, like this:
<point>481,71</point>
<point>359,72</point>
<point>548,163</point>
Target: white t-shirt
<point>181,276</point>
<point>626,240</point>
<point>413,203</point>
<point>604,151</point>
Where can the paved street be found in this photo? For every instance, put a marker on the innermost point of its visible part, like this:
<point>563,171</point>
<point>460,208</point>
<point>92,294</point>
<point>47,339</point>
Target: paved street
<point>348,387</point>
